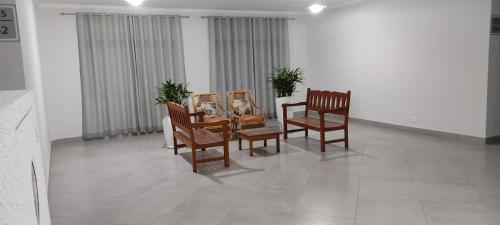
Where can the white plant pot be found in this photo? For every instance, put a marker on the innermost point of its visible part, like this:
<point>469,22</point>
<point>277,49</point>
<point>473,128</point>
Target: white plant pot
<point>279,109</point>
<point>168,133</point>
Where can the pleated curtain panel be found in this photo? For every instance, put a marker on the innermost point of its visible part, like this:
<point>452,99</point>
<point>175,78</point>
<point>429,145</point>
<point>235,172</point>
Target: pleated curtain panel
<point>123,58</point>
<point>244,52</point>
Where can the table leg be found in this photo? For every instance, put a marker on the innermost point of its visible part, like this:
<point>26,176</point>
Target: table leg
<point>250,142</point>
<point>265,143</point>
<point>278,143</point>
<point>239,143</point>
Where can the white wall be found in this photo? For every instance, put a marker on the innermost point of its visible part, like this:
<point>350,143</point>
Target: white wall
<point>405,59</point>
<point>61,69</point>
<point>196,55</point>
<point>298,53</point>
<point>493,119</point>
<point>11,63</point>
<point>60,62</point>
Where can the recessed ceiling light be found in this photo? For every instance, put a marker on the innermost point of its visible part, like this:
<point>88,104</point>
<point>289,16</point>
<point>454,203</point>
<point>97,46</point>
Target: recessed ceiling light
<point>135,2</point>
<point>316,8</point>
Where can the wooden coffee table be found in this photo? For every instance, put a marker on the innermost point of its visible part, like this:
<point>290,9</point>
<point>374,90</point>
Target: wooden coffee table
<point>259,134</point>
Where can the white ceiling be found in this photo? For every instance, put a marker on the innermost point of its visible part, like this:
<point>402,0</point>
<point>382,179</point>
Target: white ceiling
<point>258,5</point>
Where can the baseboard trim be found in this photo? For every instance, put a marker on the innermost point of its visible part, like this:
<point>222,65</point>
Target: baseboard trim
<point>440,134</point>
<point>490,140</point>
<point>493,140</point>
<point>67,140</point>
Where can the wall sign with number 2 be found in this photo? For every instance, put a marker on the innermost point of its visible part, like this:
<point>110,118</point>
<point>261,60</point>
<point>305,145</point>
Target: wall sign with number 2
<point>8,23</point>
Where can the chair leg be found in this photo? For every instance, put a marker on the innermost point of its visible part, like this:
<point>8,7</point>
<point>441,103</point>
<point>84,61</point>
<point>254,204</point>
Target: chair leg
<point>285,130</point>
<point>307,132</point>
<point>226,154</point>
<point>175,146</point>
<point>346,138</point>
<point>278,143</point>
<point>322,140</point>
<point>250,144</point>
<point>193,152</point>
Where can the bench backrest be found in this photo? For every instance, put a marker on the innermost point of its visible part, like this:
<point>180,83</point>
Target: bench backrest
<point>329,100</point>
<point>179,116</point>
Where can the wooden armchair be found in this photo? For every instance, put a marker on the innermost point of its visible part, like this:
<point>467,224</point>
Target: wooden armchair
<point>211,105</point>
<point>195,135</point>
<point>243,110</point>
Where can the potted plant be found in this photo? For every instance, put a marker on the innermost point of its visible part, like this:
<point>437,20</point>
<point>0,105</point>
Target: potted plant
<point>285,82</point>
<point>170,92</point>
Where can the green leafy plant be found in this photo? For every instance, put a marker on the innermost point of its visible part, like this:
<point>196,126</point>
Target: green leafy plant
<point>171,92</point>
<point>285,81</point>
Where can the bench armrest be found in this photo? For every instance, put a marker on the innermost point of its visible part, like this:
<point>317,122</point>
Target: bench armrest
<point>200,115</point>
<point>286,105</point>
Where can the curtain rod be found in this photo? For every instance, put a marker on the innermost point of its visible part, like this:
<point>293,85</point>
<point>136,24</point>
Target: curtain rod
<point>288,18</point>
<point>110,14</point>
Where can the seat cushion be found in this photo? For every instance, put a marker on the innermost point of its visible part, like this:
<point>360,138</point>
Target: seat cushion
<point>209,108</point>
<point>242,107</point>
<point>213,119</point>
<point>203,137</point>
<point>314,122</point>
<point>251,119</point>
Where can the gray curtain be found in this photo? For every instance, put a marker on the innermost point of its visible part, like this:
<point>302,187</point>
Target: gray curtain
<point>243,54</point>
<point>271,51</point>
<point>231,55</point>
<point>123,58</point>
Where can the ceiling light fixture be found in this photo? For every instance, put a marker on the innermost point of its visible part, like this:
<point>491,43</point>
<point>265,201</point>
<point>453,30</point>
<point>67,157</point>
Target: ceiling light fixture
<point>316,8</point>
<point>135,2</point>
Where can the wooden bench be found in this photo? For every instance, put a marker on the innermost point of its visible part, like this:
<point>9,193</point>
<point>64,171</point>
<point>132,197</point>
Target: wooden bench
<point>195,135</point>
<point>323,102</point>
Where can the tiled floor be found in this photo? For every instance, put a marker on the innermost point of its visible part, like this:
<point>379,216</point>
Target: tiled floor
<point>389,177</point>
